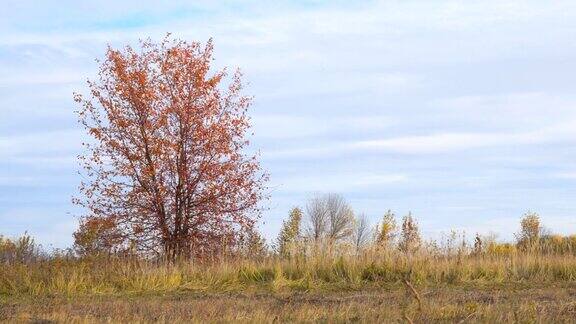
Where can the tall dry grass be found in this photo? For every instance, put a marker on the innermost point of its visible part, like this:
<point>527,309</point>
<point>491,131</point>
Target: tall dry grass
<point>306,272</point>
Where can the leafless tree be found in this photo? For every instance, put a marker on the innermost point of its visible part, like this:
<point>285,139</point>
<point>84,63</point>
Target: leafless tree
<point>362,232</point>
<point>317,217</point>
<point>340,217</point>
<point>330,217</point>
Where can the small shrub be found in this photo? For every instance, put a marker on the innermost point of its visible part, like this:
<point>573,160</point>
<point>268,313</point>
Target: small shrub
<point>21,250</point>
<point>410,235</point>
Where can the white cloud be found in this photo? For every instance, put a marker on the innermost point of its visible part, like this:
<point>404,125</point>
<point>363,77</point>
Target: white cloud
<point>23,79</point>
<point>441,143</point>
<point>286,126</point>
<point>337,182</point>
<point>508,111</point>
<point>437,143</point>
<point>41,145</point>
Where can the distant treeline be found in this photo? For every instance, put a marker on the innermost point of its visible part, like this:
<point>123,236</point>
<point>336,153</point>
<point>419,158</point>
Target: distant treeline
<point>327,225</point>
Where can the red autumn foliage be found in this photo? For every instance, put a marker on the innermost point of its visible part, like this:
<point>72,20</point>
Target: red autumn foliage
<point>98,236</point>
<point>167,165</point>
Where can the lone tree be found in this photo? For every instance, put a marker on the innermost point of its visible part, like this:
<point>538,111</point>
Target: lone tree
<point>409,235</point>
<point>253,245</point>
<point>289,233</point>
<point>530,231</point>
<point>387,230</point>
<point>98,236</point>
<point>330,217</point>
<point>362,232</point>
<point>167,165</point>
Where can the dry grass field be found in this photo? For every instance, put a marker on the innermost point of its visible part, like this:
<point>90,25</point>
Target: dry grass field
<point>440,303</point>
<point>371,287</point>
<point>410,280</point>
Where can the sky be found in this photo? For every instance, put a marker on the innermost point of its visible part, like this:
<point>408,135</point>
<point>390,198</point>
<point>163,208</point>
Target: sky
<point>462,112</point>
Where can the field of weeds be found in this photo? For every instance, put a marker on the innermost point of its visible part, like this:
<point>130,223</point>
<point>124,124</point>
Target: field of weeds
<point>439,303</point>
<point>372,287</point>
<point>531,281</point>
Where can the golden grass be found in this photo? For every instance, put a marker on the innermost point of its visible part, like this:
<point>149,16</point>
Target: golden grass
<point>505,304</point>
<point>374,286</point>
<point>114,276</point>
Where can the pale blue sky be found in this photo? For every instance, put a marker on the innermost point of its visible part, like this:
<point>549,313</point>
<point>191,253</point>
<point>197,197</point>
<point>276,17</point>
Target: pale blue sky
<point>463,112</point>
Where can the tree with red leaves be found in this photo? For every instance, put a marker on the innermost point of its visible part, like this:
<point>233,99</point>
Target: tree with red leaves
<point>167,166</point>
